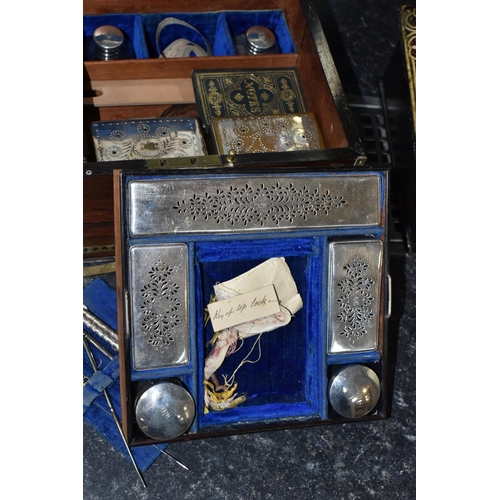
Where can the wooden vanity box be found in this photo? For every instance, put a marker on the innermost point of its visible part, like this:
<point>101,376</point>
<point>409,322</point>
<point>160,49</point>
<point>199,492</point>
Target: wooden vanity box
<point>182,231</point>
<point>324,211</point>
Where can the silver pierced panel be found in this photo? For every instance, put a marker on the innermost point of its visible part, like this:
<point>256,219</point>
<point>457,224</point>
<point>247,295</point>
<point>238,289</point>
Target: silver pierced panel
<point>355,273</point>
<point>159,306</point>
<point>251,204</point>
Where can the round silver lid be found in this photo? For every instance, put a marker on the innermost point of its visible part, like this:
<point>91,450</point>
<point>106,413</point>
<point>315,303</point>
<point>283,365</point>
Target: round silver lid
<point>354,391</point>
<point>165,411</point>
<point>259,40</point>
<point>108,40</point>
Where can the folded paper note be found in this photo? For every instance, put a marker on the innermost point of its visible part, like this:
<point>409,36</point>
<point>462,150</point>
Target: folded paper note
<point>274,272</point>
<point>243,308</point>
<point>271,278</point>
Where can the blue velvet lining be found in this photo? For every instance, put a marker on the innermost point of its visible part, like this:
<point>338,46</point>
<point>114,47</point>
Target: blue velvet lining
<point>287,380</point>
<point>240,21</point>
<point>211,25</point>
<point>355,357</point>
<point>100,298</point>
<point>134,45</point>
<point>290,380</point>
<point>219,28</point>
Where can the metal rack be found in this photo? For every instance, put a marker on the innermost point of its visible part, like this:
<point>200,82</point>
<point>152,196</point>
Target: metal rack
<point>369,117</point>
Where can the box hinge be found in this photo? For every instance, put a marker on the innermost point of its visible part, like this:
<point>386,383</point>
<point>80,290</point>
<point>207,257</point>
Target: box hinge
<point>360,161</point>
<point>189,161</point>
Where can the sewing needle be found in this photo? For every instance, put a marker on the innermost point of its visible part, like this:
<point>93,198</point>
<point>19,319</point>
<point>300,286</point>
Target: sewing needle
<point>172,457</point>
<point>101,348</point>
<point>113,413</point>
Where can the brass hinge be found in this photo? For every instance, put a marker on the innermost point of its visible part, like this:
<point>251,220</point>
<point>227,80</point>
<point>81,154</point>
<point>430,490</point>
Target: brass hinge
<point>360,161</point>
<point>188,161</point>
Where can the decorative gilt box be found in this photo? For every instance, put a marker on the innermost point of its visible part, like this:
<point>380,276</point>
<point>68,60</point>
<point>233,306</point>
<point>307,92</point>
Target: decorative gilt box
<point>399,99</point>
<point>249,92</point>
<point>142,85</point>
<point>267,133</point>
<point>260,294</point>
<point>146,139</point>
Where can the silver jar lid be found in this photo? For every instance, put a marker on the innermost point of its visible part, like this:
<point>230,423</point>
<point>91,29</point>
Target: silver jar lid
<point>259,40</point>
<point>164,410</point>
<point>108,40</point>
<point>354,391</point>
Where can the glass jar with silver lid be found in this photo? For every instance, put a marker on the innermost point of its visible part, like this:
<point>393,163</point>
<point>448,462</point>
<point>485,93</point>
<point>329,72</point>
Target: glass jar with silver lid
<point>257,40</point>
<point>108,42</point>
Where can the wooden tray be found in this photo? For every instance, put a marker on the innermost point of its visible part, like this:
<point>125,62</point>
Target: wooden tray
<point>152,87</point>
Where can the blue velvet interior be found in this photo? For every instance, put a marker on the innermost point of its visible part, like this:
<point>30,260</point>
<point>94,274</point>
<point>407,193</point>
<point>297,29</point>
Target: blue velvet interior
<point>240,21</point>
<point>186,374</point>
<point>286,382</point>
<point>304,361</point>
<point>100,298</point>
<point>134,45</point>
<point>211,25</point>
<point>219,28</point>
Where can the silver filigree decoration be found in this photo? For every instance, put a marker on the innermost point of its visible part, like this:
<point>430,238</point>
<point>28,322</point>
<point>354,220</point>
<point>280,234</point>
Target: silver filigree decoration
<point>355,299</point>
<point>242,205</point>
<point>159,306</point>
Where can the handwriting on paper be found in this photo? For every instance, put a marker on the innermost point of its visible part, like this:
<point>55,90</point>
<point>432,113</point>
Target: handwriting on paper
<point>243,308</point>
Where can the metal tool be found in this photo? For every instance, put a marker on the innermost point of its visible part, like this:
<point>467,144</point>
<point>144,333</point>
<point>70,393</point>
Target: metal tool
<point>172,457</point>
<point>100,328</point>
<point>112,334</point>
<point>113,413</point>
<point>97,345</point>
<point>156,446</point>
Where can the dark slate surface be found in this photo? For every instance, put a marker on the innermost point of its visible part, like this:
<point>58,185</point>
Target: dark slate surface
<point>362,36</point>
<point>358,460</point>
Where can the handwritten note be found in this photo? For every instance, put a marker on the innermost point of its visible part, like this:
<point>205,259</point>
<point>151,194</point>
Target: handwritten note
<point>243,308</point>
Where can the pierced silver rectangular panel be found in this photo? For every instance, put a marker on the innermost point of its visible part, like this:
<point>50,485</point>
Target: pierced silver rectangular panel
<point>159,305</point>
<point>355,273</point>
<point>252,203</point>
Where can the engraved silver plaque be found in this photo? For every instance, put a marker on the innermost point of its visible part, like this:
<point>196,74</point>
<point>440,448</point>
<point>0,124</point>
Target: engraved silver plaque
<point>252,204</point>
<point>159,305</point>
<point>355,273</point>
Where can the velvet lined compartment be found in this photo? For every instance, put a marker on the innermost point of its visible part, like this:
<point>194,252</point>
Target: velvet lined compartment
<point>240,21</point>
<point>220,29</point>
<point>286,381</point>
<point>134,45</point>
<point>211,25</point>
